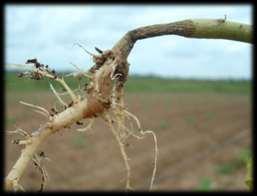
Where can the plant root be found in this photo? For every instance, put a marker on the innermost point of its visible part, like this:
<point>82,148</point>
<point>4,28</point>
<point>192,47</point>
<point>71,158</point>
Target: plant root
<point>104,98</point>
<point>36,107</point>
<point>36,161</point>
<point>88,127</point>
<point>57,96</point>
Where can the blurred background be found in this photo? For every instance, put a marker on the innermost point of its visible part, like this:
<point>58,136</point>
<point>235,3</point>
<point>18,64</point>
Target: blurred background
<point>194,93</point>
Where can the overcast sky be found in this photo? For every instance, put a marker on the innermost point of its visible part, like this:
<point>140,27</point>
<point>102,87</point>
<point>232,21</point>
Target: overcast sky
<point>48,33</point>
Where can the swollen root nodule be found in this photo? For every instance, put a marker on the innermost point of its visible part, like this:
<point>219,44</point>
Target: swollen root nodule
<point>103,97</point>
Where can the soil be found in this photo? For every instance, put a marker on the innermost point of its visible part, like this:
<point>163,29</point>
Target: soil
<point>196,132</point>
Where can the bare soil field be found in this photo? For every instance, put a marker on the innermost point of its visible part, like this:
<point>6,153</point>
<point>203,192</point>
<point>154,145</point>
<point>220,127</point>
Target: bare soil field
<point>198,135</point>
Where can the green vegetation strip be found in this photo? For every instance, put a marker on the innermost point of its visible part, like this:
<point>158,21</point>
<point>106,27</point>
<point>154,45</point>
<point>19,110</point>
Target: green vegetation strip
<point>140,84</point>
<point>237,163</point>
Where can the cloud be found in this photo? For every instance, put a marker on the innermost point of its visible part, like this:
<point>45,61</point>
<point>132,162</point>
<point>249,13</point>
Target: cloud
<point>49,33</point>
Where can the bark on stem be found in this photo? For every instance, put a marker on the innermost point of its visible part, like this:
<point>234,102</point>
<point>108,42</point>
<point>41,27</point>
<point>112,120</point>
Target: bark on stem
<point>195,28</point>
